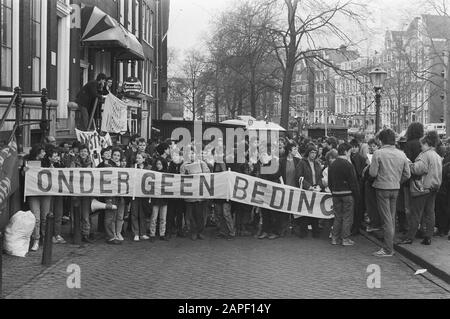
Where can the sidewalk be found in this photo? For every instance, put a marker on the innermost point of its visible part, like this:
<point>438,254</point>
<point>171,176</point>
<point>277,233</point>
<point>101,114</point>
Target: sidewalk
<point>434,258</point>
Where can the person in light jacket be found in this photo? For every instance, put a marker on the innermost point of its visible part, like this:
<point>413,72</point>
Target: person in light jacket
<point>425,183</point>
<point>390,168</point>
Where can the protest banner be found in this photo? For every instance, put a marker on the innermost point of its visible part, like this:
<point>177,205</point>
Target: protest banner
<point>114,115</point>
<point>132,182</point>
<point>9,174</point>
<point>95,143</point>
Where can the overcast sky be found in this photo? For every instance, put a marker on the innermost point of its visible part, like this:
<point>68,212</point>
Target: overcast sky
<point>190,19</point>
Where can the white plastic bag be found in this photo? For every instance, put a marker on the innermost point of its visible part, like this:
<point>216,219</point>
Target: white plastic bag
<point>18,233</point>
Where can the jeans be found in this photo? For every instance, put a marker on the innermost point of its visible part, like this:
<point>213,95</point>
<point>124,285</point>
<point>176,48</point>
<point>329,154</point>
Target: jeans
<point>85,207</point>
<point>386,202</point>
<point>175,212</point>
<point>224,218</point>
<point>40,207</point>
<point>195,212</point>
<point>119,216</point>
<point>343,207</point>
<point>269,221</point>
<point>138,225</point>
<point>160,210</point>
<point>57,208</point>
<point>358,207</point>
<point>422,210</point>
<point>443,212</point>
<point>243,217</point>
<point>371,206</point>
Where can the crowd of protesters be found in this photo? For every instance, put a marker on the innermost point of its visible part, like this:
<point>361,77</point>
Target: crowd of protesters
<point>389,184</point>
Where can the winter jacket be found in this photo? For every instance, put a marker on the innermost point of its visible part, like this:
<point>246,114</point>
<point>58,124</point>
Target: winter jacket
<point>427,172</point>
<point>283,164</point>
<point>342,178</point>
<point>304,170</point>
<point>389,167</point>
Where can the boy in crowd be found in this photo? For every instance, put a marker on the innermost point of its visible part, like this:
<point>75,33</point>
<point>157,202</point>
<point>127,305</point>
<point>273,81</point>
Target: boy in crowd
<point>344,188</point>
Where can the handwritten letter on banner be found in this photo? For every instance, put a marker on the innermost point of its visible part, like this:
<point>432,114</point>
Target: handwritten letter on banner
<point>143,183</point>
<point>114,116</point>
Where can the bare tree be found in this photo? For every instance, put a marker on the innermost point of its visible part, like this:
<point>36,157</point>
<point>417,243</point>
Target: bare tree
<point>190,84</point>
<point>297,37</point>
<point>239,48</point>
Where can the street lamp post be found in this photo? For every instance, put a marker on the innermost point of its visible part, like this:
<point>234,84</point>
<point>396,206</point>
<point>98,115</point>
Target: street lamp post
<point>377,77</point>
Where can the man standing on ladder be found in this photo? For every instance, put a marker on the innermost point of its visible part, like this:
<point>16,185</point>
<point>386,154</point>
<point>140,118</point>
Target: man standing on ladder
<point>87,100</point>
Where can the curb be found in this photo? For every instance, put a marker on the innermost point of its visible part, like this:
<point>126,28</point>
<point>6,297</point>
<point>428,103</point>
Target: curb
<point>439,273</point>
<point>444,276</point>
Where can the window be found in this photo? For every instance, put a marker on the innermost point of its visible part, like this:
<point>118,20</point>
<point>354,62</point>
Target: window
<point>6,44</point>
<point>36,45</point>
<point>147,25</point>
<point>122,11</point>
<point>137,12</point>
<point>130,15</point>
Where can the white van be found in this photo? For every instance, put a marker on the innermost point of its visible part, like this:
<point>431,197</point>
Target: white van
<point>438,127</point>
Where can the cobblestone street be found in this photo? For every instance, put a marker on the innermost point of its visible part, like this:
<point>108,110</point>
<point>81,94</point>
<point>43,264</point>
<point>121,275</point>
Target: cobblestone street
<point>214,268</point>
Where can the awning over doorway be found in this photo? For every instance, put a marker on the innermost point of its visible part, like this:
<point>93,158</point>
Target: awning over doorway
<point>100,30</point>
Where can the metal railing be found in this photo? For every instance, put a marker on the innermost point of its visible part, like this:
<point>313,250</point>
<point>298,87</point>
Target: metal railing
<point>20,122</point>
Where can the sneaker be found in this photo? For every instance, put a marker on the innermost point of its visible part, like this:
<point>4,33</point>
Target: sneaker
<point>383,253</point>
<point>334,241</point>
<point>370,229</point>
<point>347,242</point>
<point>35,245</point>
<point>119,237</point>
<point>136,238</point>
<point>145,237</point>
<point>229,237</point>
<point>273,236</point>
<point>263,235</point>
<point>58,240</point>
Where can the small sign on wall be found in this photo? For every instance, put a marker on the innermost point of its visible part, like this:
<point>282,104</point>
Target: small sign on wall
<point>53,54</point>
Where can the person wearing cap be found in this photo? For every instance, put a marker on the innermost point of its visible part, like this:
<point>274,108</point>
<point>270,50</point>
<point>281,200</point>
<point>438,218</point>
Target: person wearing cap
<point>311,171</point>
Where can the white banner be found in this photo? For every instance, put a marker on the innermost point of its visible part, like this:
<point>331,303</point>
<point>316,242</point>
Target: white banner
<point>114,115</point>
<point>132,182</point>
<point>95,142</point>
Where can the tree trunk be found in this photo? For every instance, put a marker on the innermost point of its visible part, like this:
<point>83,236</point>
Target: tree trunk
<point>216,104</point>
<point>291,52</point>
<point>240,103</point>
<point>286,92</point>
<point>253,95</point>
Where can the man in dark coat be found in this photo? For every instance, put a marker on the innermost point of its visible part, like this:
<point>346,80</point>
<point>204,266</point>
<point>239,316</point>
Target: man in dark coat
<point>412,149</point>
<point>86,99</point>
<point>359,163</point>
<point>311,171</point>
